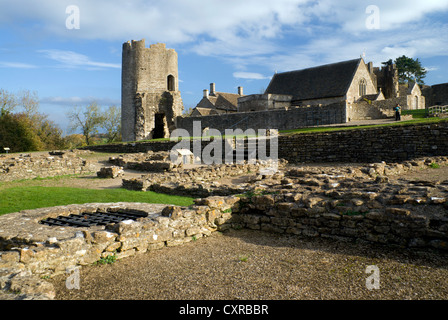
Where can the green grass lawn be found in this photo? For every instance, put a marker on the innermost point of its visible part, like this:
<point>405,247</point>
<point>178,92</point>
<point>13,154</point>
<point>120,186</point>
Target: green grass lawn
<point>392,123</point>
<point>416,114</point>
<point>31,197</point>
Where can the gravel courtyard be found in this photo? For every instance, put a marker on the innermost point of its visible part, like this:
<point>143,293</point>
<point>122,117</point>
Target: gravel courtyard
<point>246,264</point>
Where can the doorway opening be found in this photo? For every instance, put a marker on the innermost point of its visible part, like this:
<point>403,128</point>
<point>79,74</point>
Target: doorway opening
<point>159,126</point>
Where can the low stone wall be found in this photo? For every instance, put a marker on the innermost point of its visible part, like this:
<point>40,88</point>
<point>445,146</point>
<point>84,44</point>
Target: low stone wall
<point>29,166</point>
<point>316,217</point>
<point>134,147</point>
<point>390,144</point>
<point>30,251</point>
<point>293,118</point>
<point>146,162</point>
<point>204,181</point>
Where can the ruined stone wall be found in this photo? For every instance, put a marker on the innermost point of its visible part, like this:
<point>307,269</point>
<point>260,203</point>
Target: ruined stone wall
<point>150,85</point>
<point>362,110</point>
<point>394,143</point>
<point>30,252</point>
<point>439,94</point>
<point>29,166</point>
<point>292,118</point>
<point>310,218</point>
<point>387,80</point>
<point>362,145</point>
<point>262,102</point>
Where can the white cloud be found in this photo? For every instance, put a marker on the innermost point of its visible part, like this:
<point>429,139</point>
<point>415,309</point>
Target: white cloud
<point>350,15</point>
<point>16,65</point>
<point>70,59</point>
<point>78,101</point>
<point>279,35</point>
<point>249,75</point>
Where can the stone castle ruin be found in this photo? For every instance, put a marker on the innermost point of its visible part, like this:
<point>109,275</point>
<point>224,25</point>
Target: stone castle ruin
<point>150,91</point>
<point>329,94</point>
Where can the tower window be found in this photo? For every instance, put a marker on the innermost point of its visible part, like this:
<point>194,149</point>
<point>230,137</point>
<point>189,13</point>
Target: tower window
<point>170,83</point>
<point>362,87</point>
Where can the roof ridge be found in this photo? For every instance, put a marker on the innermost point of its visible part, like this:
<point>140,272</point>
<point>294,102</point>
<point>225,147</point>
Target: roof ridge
<point>320,66</point>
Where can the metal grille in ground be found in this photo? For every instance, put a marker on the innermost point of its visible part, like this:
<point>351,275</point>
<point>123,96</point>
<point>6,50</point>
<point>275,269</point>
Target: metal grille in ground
<point>93,218</point>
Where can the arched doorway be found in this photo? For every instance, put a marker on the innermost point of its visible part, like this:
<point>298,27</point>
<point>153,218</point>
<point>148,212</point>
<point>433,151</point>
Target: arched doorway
<point>416,102</point>
<point>159,126</point>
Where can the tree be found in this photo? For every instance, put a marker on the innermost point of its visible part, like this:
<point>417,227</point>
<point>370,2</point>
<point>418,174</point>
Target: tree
<point>89,119</point>
<point>50,135</point>
<point>28,130</point>
<point>17,133</point>
<point>408,69</point>
<point>8,102</point>
<point>112,123</point>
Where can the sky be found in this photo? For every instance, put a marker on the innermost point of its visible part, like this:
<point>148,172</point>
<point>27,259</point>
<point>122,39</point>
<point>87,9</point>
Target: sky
<point>69,51</point>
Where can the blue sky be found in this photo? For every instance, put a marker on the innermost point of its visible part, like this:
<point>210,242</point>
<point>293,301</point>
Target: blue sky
<point>229,42</point>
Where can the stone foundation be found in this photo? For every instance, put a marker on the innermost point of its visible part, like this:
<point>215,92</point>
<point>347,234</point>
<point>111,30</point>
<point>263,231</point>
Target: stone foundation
<point>56,163</point>
<point>356,203</point>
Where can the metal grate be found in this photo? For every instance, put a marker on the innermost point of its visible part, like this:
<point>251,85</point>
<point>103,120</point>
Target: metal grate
<point>93,219</point>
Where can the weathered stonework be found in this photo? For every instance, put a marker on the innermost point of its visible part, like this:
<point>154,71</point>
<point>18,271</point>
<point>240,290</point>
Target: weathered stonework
<point>29,166</point>
<point>344,203</point>
<point>390,144</point>
<point>203,181</point>
<point>150,91</point>
<point>146,162</point>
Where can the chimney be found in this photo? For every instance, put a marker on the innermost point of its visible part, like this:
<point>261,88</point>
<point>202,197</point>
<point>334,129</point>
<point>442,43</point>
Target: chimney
<point>240,91</point>
<point>205,93</point>
<point>212,89</point>
<point>370,67</point>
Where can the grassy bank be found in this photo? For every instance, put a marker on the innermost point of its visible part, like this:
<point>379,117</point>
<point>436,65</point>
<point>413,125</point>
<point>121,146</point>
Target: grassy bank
<point>32,197</point>
<point>340,128</point>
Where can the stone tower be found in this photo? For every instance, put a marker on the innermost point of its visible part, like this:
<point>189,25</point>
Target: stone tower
<point>387,80</point>
<point>150,97</point>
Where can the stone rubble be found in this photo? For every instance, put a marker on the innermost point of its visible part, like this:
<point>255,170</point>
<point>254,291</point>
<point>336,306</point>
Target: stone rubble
<point>55,163</point>
<point>147,162</point>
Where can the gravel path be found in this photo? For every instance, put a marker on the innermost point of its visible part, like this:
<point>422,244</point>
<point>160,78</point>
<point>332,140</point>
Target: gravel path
<point>247,264</point>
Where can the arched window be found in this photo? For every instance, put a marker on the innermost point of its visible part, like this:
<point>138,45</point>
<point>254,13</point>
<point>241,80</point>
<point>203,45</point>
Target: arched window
<point>171,83</point>
<point>362,87</point>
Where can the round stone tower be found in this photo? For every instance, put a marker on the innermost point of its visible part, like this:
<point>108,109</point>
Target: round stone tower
<point>150,97</point>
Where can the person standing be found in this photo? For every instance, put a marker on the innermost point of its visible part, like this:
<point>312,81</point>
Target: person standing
<point>397,112</point>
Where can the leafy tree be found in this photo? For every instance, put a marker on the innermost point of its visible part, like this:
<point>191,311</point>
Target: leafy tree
<point>8,102</point>
<point>50,135</point>
<point>17,133</point>
<point>112,123</point>
<point>75,140</point>
<point>408,69</point>
<point>28,130</point>
<point>89,119</point>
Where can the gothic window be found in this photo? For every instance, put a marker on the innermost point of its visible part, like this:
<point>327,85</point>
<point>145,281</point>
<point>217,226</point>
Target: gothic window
<point>362,87</point>
<point>170,83</point>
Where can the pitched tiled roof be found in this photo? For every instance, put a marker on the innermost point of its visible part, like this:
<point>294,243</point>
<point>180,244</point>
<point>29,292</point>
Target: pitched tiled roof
<point>222,101</point>
<point>206,111</point>
<point>331,80</point>
<point>225,101</point>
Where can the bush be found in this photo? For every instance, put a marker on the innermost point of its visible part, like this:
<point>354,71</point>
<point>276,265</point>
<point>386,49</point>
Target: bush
<point>16,132</point>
